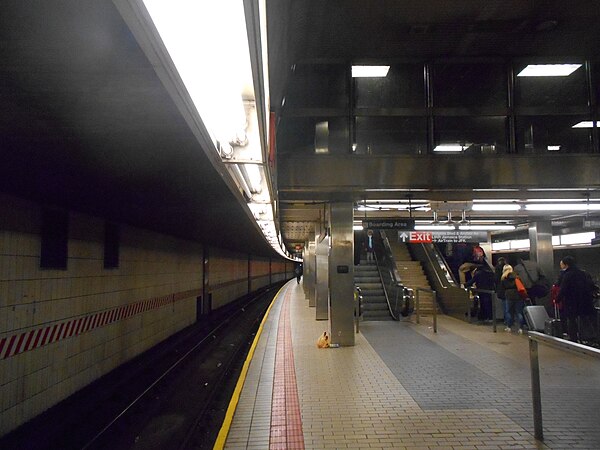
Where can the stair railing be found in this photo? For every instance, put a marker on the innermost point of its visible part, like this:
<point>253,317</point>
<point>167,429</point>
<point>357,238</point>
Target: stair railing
<point>390,280</point>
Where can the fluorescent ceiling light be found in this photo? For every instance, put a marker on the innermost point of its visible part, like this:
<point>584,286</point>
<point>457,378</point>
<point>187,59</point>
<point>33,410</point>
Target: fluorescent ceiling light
<point>563,207</point>
<point>455,148</point>
<point>553,148</point>
<point>434,227</point>
<point>493,190</point>
<point>357,227</point>
<point>369,71</point>
<point>584,124</point>
<point>577,238</point>
<point>495,207</point>
<point>486,227</point>
<point>548,70</point>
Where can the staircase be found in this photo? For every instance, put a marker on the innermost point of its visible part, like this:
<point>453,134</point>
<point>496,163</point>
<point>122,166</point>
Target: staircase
<point>412,275</point>
<point>375,307</point>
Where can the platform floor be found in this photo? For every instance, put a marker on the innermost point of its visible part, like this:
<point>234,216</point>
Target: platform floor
<point>402,386</point>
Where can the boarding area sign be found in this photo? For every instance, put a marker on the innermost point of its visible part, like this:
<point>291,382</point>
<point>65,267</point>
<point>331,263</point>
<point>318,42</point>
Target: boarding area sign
<point>389,224</point>
<point>428,237</point>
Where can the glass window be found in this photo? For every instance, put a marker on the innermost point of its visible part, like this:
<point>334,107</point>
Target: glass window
<point>470,135</point>
<point>552,134</point>
<point>551,91</point>
<point>403,87</point>
<point>391,135</point>
<point>469,85</point>
<point>306,135</point>
<point>318,86</point>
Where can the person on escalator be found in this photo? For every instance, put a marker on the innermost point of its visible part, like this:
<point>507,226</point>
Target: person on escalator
<point>475,260</point>
<point>369,246</point>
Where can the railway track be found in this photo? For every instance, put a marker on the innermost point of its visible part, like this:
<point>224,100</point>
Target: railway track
<point>172,397</point>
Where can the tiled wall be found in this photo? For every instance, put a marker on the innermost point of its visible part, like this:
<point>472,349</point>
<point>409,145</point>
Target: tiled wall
<point>62,329</point>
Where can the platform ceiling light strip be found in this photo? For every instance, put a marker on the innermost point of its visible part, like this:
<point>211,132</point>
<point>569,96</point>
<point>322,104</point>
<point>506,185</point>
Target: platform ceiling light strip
<point>495,207</point>
<point>585,124</point>
<point>548,70</point>
<point>449,148</point>
<point>563,207</point>
<point>486,227</point>
<point>370,71</point>
<point>217,77</point>
<point>434,227</point>
<point>553,148</point>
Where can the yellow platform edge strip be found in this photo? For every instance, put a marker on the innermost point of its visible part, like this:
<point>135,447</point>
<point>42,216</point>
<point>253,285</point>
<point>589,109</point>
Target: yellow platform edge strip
<point>224,431</point>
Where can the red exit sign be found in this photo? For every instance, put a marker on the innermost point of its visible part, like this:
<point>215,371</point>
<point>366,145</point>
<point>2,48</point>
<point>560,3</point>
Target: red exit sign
<point>418,237</point>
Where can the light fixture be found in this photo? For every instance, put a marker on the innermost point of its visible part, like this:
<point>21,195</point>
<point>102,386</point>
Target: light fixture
<point>548,70</point>
<point>563,207</point>
<point>486,227</point>
<point>585,124</point>
<point>449,148</point>
<point>553,148</point>
<point>432,227</point>
<point>370,71</point>
<point>496,207</point>
<point>357,227</point>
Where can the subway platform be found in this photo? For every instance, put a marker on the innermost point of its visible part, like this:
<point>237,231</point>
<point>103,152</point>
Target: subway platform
<point>402,386</point>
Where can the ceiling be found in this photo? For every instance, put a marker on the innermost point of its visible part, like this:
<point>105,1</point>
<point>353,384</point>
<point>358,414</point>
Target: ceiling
<point>87,124</point>
<point>374,31</point>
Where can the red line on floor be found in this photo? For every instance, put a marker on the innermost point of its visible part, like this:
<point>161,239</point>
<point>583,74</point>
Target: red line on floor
<point>286,421</point>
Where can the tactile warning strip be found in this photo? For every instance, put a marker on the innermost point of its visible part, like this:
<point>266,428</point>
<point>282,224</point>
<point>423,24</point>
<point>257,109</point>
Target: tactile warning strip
<point>286,421</point>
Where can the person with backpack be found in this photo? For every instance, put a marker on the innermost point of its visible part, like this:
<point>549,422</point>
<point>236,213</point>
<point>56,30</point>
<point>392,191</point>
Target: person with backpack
<point>576,298</point>
<point>476,259</point>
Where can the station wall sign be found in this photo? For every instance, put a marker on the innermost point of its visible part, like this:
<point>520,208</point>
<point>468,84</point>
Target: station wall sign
<point>389,224</point>
<point>428,237</point>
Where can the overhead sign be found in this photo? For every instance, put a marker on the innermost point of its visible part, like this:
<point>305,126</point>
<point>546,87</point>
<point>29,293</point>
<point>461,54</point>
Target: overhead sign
<point>390,224</point>
<point>427,237</point>
<point>591,224</point>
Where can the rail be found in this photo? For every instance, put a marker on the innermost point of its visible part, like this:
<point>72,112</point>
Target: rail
<point>494,301</point>
<point>536,396</point>
<point>391,281</point>
<point>437,275</point>
<point>418,306</point>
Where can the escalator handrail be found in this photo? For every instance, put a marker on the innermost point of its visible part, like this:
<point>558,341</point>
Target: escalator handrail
<point>441,283</point>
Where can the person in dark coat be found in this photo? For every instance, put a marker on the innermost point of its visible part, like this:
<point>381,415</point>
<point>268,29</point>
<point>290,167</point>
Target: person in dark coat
<point>483,278</point>
<point>575,296</point>
<point>499,288</point>
<point>515,303</point>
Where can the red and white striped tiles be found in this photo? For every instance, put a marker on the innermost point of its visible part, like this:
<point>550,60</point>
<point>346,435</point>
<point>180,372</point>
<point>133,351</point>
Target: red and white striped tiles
<point>38,337</point>
<point>286,420</point>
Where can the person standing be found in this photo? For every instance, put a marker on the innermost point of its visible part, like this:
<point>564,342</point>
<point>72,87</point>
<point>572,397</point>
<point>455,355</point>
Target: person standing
<point>575,296</point>
<point>483,278</point>
<point>515,304</point>
<point>298,272</point>
<point>369,246</point>
<point>499,288</point>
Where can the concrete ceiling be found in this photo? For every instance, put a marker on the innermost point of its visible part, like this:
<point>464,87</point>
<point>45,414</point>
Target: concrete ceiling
<point>305,32</point>
<point>86,124</point>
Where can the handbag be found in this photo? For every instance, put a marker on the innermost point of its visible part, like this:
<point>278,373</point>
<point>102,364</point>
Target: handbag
<point>521,288</point>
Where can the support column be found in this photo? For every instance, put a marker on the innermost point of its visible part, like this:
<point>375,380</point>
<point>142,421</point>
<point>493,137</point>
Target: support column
<point>541,251</point>
<point>341,274</point>
<point>311,281</point>
<point>322,290</point>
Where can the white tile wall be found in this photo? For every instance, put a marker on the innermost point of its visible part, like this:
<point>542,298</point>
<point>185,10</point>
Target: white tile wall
<point>151,265</point>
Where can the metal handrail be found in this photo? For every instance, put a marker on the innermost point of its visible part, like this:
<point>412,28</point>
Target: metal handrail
<point>418,307</point>
<point>536,396</point>
<point>494,300</point>
<point>385,290</point>
<point>433,265</point>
